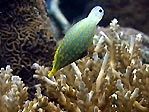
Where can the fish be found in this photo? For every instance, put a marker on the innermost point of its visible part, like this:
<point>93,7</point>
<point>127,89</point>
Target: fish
<point>77,40</point>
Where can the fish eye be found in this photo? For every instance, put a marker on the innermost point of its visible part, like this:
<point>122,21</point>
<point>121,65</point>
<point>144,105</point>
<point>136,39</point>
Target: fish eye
<point>100,10</point>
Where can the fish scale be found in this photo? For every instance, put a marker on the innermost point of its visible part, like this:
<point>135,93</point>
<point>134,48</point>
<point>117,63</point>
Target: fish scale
<point>77,40</point>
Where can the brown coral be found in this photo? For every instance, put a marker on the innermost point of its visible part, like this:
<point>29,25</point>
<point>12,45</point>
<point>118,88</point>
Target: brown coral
<point>13,92</point>
<point>25,35</point>
<point>113,79</point>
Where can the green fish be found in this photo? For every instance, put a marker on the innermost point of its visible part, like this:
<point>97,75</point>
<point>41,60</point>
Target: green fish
<point>77,40</point>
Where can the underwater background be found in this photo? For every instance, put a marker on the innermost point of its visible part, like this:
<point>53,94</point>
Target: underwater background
<point>113,75</point>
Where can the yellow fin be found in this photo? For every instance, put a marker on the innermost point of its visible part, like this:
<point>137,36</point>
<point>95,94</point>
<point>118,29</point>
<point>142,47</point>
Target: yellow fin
<point>52,72</point>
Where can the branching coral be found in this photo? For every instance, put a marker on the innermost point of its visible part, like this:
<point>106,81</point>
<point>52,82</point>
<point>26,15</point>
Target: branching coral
<point>39,104</point>
<point>13,92</point>
<point>112,78</point>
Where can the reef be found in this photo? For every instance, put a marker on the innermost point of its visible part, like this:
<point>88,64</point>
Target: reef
<point>111,78</point>
<point>26,36</point>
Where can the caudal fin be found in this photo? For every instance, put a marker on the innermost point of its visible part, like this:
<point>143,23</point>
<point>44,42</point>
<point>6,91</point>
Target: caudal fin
<point>51,73</point>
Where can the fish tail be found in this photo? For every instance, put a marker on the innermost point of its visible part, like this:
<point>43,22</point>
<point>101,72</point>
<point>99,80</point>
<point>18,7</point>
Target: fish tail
<point>52,72</point>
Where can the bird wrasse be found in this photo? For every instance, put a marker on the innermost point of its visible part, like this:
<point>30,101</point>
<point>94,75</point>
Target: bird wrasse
<point>77,40</point>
